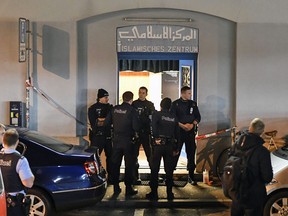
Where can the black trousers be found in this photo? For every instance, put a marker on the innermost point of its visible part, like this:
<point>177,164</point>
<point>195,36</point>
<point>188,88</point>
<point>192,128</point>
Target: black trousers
<point>144,139</point>
<point>190,146</point>
<point>119,151</point>
<point>158,152</point>
<point>16,210</point>
<point>103,143</point>
<point>238,209</point>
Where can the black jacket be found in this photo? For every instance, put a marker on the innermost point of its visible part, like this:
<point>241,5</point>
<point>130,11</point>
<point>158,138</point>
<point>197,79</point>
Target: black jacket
<point>144,110</point>
<point>96,111</point>
<point>260,164</point>
<point>124,120</point>
<point>186,111</point>
<point>165,124</point>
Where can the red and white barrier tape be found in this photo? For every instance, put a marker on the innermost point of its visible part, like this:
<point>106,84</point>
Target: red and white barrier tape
<point>204,136</point>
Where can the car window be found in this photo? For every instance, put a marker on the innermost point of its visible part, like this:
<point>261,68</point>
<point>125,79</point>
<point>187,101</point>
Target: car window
<point>48,141</point>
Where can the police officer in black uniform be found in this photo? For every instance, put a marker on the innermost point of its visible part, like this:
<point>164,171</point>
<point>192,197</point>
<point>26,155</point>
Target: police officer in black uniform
<point>125,124</point>
<point>189,116</point>
<point>16,175</point>
<point>165,131</point>
<point>144,109</point>
<point>100,136</point>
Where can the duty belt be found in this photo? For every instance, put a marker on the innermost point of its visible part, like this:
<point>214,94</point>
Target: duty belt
<point>14,200</point>
<point>163,141</point>
<point>19,200</point>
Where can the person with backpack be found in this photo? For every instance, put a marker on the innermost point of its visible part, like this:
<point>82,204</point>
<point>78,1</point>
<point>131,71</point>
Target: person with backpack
<point>252,171</point>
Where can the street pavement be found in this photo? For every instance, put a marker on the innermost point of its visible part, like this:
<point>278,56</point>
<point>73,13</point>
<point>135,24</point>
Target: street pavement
<point>149,212</point>
<point>190,200</point>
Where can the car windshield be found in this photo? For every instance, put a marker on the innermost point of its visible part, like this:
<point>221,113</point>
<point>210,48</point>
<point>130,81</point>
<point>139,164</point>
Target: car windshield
<point>48,141</point>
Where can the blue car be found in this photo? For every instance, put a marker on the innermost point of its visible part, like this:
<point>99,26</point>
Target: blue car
<point>66,176</point>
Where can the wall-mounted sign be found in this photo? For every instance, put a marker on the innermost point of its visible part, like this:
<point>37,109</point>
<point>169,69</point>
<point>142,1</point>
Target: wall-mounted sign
<point>157,38</point>
<point>22,39</point>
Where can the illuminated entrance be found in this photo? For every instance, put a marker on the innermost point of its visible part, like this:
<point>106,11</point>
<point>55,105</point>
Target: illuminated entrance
<point>162,58</point>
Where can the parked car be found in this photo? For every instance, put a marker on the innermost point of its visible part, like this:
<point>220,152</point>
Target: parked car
<point>277,203</point>
<point>66,176</point>
<point>2,197</point>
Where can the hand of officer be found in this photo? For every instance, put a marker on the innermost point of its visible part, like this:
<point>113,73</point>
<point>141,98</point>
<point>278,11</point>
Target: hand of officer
<point>157,141</point>
<point>175,153</point>
<point>100,122</point>
<point>187,126</point>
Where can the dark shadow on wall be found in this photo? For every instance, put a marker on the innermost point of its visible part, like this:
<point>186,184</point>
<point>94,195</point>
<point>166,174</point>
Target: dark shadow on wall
<point>82,81</point>
<point>56,50</point>
<point>214,119</point>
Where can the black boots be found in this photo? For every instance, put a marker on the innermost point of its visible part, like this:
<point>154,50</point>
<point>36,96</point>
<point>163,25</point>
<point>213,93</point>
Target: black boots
<point>117,189</point>
<point>170,194</point>
<point>153,195</point>
<point>191,181</point>
<point>130,191</point>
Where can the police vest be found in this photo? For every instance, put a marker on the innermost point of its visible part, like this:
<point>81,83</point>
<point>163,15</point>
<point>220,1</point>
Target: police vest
<point>12,181</point>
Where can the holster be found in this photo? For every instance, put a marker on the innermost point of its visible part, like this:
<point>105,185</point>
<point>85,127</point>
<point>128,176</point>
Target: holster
<point>19,200</point>
<point>163,141</point>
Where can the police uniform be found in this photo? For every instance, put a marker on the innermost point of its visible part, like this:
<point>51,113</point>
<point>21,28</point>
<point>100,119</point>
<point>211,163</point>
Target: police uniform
<point>14,168</point>
<point>100,136</point>
<point>125,123</point>
<point>165,129</point>
<point>187,111</point>
<point>144,110</point>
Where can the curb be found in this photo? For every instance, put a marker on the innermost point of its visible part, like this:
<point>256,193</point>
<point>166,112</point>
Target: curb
<point>163,203</point>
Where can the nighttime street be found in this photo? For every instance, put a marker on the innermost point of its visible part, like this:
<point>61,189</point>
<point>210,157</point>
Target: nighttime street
<point>216,211</point>
<point>189,200</point>
<point>139,108</point>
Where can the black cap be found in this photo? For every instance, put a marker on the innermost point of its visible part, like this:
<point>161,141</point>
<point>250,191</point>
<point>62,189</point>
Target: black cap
<point>166,103</point>
<point>102,93</point>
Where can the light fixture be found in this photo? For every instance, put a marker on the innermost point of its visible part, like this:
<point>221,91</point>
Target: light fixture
<point>157,19</point>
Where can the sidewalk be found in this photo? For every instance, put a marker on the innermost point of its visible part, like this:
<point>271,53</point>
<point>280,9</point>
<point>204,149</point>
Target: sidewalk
<point>185,194</point>
<point>188,196</point>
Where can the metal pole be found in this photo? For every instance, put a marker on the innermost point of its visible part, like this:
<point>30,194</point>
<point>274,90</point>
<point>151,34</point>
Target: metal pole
<point>28,32</point>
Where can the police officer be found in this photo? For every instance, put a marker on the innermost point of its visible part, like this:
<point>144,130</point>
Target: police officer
<point>100,136</point>
<point>125,124</point>
<point>165,131</point>
<point>16,173</point>
<point>189,116</point>
<point>144,110</point>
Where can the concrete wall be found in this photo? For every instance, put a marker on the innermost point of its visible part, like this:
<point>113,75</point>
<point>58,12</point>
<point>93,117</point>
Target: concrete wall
<point>262,62</point>
<point>12,73</point>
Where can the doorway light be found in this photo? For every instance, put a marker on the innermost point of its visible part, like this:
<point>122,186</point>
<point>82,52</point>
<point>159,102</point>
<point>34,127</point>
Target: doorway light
<point>157,19</point>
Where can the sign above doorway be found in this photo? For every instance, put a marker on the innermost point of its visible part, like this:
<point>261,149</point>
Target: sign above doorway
<point>157,38</point>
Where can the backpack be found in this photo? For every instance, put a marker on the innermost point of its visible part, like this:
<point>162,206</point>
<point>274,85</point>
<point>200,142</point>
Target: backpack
<point>237,176</point>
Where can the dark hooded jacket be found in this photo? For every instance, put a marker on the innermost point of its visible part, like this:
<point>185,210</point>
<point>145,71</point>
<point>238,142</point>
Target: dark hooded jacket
<point>260,164</point>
